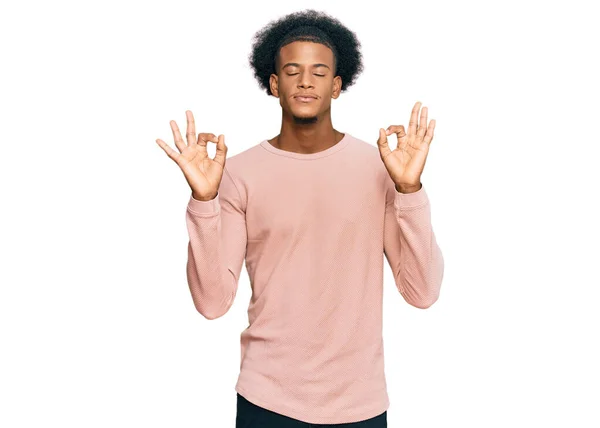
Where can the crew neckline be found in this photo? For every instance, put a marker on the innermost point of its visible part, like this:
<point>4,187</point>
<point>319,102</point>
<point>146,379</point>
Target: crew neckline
<point>335,148</point>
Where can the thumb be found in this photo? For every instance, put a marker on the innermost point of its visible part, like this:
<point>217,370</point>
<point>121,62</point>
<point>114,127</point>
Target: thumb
<point>382,144</point>
<point>221,153</point>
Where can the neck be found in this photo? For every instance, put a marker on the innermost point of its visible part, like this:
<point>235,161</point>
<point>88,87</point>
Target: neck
<point>306,138</point>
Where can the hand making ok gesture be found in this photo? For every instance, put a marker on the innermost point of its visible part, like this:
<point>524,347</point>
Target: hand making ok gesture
<point>202,173</point>
<point>406,162</point>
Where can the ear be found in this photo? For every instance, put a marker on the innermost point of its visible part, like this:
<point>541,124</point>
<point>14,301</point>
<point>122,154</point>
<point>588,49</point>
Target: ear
<point>337,87</point>
<point>274,84</point>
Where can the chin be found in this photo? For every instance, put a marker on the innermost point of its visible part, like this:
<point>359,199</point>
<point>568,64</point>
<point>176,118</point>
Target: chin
<point>305,118</point>
<point>304,114</point>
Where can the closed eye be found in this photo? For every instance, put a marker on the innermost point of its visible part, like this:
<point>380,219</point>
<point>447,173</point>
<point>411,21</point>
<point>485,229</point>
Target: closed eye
<point>320,75</point>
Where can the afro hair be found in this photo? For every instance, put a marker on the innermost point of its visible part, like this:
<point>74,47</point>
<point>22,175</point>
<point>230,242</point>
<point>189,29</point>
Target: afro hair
<point>309,25</point>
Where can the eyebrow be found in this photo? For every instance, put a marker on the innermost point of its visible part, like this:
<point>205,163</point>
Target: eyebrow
<point>295,64</point>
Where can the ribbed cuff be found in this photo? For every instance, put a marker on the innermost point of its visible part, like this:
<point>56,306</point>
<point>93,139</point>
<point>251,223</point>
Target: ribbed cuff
<point>404,201</point>
<point>204,207</point>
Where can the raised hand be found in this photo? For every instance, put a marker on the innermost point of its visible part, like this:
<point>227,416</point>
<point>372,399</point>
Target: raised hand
<point>202,173</point>
<point>406,162</point>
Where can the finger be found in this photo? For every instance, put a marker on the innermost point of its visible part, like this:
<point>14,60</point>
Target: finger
<point>168,150</point>
<point>412,123</point>
<point>203,139</point>
<point>422,128</point>
<point>221,153</point>
<point>179,143</point>
<point>400,134</point>
<point>429,136</point>
<point>191,128</point>
<point>396,129</point>
<point>382,144</point>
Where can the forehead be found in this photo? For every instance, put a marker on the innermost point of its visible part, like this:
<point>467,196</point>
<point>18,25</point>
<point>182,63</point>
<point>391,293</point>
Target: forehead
<point>306,53</point>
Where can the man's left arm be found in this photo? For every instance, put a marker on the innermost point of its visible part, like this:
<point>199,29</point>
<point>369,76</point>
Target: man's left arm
<point>410,246</point>
<point>409,242</point>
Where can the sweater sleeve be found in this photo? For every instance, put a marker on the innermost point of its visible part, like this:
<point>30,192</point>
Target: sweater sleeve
<point>216,248</point>
<point>410,246</point>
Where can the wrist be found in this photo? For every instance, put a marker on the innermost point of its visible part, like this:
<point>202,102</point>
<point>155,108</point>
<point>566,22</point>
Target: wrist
<point>203,198</point>
<point>408,188</point>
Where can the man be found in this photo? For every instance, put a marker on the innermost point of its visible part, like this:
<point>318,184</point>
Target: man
<point>312,211</point>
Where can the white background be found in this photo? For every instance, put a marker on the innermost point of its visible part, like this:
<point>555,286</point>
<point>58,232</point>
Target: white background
<point>98,328</point>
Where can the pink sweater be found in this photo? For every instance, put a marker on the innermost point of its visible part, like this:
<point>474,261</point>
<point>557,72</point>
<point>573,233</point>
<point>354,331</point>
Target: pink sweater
<point>313,230</point>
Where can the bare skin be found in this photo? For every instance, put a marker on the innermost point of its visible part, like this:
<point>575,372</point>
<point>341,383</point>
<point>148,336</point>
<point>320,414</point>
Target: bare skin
<point>406,162</point>
<point>306,126</point>
<point>202,173</point>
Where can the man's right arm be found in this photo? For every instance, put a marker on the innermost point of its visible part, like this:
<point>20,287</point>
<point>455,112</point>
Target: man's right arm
<point>216,249</point>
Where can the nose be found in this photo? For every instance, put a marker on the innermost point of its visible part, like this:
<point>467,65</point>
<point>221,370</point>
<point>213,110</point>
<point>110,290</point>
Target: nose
<point>305,81</point>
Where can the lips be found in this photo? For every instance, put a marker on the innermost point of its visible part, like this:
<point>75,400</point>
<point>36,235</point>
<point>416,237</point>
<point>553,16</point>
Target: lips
<point>305,98</point>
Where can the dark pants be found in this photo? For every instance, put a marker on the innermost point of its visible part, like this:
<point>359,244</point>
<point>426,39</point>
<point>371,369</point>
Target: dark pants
<point>249,415</point>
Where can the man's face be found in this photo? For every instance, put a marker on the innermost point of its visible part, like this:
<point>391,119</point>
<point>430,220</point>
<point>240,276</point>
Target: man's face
<point>305,68</point>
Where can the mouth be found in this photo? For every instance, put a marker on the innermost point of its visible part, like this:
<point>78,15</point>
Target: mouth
<point>305,99</point>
